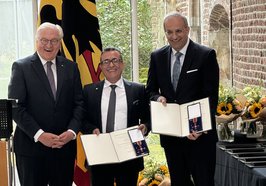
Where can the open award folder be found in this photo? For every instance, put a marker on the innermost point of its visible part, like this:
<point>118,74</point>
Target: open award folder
<point>114,147</point>
<point>180,120</point>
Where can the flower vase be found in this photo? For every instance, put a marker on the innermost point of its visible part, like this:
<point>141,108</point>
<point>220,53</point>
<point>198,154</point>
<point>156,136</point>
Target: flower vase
<point>252,128</point>
<point>263,136</point>
<point>225,131</point>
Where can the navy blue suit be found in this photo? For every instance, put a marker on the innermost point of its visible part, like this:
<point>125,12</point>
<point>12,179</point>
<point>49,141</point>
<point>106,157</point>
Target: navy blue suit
<point>199,78</point>
<point>37,109</point>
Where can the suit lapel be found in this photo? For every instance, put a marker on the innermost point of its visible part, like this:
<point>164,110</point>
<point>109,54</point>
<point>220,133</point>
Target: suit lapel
<point>60,69</point>
<point>186,65</point>
<point>97,93</point>
<point>129,96</point>
<point>168,54</point>
<point>40,72</point>
<point>188,59</point>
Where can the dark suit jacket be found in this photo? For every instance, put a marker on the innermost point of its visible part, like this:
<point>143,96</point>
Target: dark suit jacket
<point>137,104</point>
<point>37,108</point>
<point>199,78</point>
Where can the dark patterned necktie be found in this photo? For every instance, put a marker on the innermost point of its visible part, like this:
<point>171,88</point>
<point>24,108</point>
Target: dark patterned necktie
<point>111,110</point>
<point>50,76</point>
<point>176,70</point>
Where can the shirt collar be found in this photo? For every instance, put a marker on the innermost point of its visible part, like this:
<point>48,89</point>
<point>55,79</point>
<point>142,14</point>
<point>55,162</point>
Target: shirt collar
<point>119,83</point>
<point>183,50</point>
<point>44,61</point>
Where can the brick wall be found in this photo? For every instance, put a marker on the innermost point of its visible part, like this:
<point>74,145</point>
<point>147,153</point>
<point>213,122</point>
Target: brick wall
<point>249,43</point>
<point>245,54</point>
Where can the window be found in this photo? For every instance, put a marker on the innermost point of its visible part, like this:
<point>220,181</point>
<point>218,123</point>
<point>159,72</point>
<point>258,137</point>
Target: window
<point>16,39</point>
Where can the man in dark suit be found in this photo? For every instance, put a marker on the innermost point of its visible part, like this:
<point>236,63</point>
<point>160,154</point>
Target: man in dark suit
<point>193,155</point>
<point>131,109</point>
<point>48,115</point>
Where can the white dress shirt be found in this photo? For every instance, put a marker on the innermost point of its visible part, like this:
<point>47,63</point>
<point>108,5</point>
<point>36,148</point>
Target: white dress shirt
<point>182,58</point>
<point>120,108</point>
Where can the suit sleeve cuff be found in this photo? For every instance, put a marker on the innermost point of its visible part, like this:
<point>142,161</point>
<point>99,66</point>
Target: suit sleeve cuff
<point>75,136</point>
<point>38,134</point>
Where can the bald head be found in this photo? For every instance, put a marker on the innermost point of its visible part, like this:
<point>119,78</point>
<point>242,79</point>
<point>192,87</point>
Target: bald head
<point>175,14</point>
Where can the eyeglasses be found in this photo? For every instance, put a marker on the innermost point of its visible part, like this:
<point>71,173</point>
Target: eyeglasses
<point>170,33</point>
<point>115,61</point>
<point>52,41</point>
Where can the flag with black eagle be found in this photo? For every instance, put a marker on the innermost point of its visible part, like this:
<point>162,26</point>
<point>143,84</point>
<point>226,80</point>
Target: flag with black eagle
<point>81,44</point>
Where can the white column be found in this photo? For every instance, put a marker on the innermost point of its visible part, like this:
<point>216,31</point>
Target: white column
<point>134,41</point>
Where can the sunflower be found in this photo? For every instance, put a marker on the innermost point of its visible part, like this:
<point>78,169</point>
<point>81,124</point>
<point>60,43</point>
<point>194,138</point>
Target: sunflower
<point>255,109</point>
<point>224,108</point>
<point>154,183</point>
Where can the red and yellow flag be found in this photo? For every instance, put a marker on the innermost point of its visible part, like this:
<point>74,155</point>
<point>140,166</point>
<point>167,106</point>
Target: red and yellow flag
<point>82,44</point>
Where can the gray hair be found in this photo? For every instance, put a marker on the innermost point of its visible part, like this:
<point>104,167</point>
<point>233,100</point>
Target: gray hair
<point>52,26</point>
<point>176,14</point>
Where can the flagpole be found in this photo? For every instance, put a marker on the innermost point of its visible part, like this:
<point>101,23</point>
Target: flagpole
<point>134,41</point>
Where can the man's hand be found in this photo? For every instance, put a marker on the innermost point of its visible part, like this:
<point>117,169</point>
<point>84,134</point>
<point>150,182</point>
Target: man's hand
<point>162,100</point>
<point>48,139</point>
<point>143,129</point>
<point>64,138</point>
<point>194,135</point>
<point>96,131</point>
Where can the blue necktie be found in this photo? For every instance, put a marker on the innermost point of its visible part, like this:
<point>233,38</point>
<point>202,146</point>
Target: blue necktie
<point>111,110</point>
<point>176,70</point>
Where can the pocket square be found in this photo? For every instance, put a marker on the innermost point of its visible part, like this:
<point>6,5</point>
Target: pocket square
<point>194,70</point>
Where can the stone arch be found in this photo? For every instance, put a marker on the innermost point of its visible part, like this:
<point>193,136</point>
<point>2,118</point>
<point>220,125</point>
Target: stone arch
<point>219,39</point>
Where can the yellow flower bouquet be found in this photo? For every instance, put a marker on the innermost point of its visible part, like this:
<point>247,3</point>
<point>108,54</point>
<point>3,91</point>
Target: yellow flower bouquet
<point>255,111</point>
<point>255,103</point>
<point>229,108</point>
<point>154,174</point>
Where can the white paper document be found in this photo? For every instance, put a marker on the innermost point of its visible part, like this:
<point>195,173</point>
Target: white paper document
<point>114,147</point>
<point>180,120</point>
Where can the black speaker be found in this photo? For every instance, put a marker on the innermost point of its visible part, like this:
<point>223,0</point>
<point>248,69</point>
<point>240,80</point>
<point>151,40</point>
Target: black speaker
<point>6,126</point>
